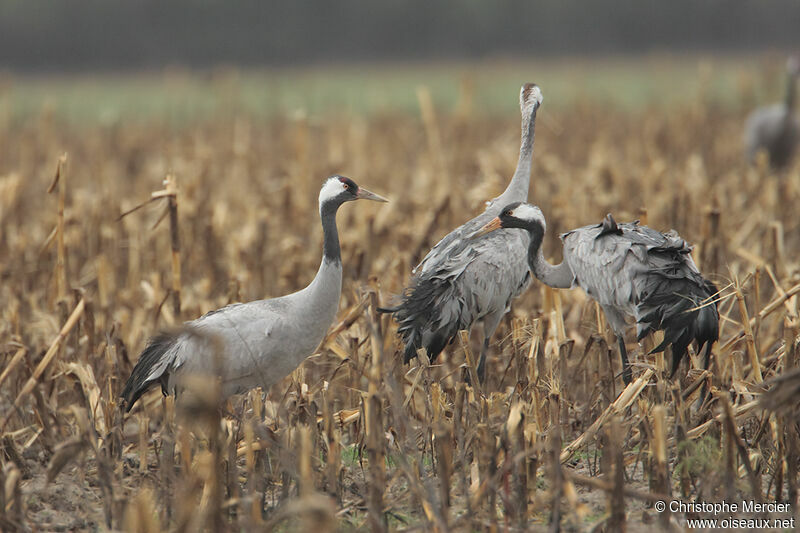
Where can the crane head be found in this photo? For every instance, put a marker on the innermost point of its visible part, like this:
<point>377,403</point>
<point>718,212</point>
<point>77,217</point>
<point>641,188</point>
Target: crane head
<point>530,97</point>
<point>516,215</point>
<point>340,189</point>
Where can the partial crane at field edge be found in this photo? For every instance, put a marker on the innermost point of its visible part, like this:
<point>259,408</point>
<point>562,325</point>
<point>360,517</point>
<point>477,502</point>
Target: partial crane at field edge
<point>631,271</point>
<point>460,281</point>
<point>254,344</point>
<point>775,129</point>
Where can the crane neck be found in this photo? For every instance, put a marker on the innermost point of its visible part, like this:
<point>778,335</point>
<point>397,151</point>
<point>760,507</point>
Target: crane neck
<point>326,287</point>
<point>558,276</point>
<point>331,251</point>
<point>791,82</point>
<point>517,190</point>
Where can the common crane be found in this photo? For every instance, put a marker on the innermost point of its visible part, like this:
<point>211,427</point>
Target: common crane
<point>775,128</point>
<point>460,281</point>
<point>631,271</point>
<point>260,342</point>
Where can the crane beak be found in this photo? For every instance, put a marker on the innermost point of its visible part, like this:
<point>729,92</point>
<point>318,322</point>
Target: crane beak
<point>364,194</point>
<point>491,226</point>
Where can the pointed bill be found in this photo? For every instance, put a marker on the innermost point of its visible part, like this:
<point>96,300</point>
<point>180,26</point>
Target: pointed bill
<point>364,194</point>
<point>489,227</point>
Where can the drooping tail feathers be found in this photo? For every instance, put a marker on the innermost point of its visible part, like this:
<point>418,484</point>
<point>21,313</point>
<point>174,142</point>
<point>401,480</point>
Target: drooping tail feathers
<point>682,307</point>
<point>151,357</point>
<point>429,316</point>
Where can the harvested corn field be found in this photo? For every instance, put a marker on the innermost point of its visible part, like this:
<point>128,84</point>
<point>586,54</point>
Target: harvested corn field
<point>223,209</point>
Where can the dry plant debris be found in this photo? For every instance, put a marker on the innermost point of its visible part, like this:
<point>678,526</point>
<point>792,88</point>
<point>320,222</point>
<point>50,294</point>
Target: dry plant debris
<point>354,439</point>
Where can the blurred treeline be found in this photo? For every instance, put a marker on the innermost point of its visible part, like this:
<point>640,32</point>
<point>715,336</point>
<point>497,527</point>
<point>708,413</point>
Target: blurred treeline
<point>135,34</point>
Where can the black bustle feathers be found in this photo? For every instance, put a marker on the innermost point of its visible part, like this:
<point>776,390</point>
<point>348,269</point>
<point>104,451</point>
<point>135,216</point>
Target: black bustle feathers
<point>138,383</point>
<point>685,310</point>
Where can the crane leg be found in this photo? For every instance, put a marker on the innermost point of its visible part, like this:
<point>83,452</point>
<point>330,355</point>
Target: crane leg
<point>706,364</point>
<point>490,323</point>
<point>623,354</point>
<point>481,370</point>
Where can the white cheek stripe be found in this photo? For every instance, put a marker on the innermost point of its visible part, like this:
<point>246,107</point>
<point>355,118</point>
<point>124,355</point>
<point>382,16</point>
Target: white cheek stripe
<point>332,188</point>
<point>528,212</point>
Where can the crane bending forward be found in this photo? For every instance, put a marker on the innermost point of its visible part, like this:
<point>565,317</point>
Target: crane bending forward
<point>631,271</point>
<point>255,344</point>
<point>460,281</point>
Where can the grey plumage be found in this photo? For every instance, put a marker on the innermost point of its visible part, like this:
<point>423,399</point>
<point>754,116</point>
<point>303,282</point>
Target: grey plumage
<point>640,272</point>
<point>256,343</point>
<point>461,282</point>
<point>631,271</point>
<point>775,129</point>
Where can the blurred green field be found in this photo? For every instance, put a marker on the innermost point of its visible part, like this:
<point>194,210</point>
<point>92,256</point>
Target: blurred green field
<point>180,96</point>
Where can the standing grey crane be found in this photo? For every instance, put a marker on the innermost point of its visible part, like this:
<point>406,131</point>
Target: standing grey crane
<point>775,128</point>
<point>630,270</point>
<point>259,342</point>
<point>461,282</point>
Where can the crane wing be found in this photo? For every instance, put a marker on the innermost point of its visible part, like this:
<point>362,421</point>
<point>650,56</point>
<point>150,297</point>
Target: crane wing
<point>614,267</point>
<point>641,272</point>
<point>454,245</point>
<point>485,275</point>
<point>252,338</point>
<point>462,280</point>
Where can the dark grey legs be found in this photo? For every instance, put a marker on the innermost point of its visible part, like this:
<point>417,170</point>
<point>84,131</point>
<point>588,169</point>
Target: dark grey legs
<point>623,354</point>
<point>481,370</point>
<point>706,364</point>
<point>489,323</point>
